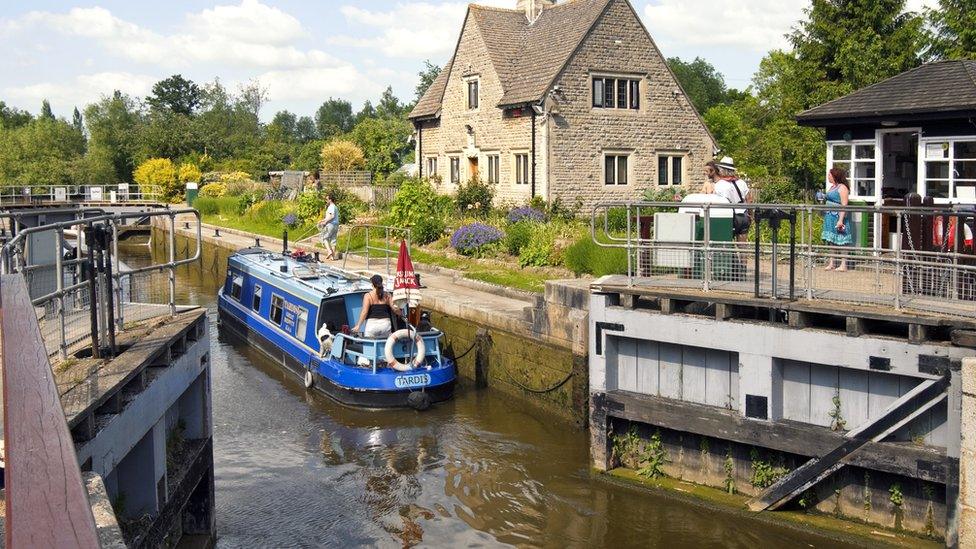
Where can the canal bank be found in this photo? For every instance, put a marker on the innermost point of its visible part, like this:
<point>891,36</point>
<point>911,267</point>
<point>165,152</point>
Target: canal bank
<point>293,468</point>
<point>497,334</point>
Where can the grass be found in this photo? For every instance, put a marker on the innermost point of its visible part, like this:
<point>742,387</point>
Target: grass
<point>256,226</point>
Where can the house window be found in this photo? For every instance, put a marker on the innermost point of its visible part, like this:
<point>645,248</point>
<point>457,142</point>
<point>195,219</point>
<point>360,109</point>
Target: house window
<point>431,166</point>
<point>858,160</point>
<point>950,169</point>
<point>455,170</point>
<point>493,165</point>
<point>236,284</point>
<point>616,93</point>
<point>521,169</point>
<point>472,94</point>
<point>615,168</point>
<point>277,306</point>
<point>256,298</point>
<point>670,169</point>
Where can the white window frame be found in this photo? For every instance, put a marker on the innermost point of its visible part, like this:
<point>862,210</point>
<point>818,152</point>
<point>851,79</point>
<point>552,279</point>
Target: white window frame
<point>629,155</point>
<point>923,159</point>
<point>237,281</point>
<point>468,81</point>
<point>526,171</point>
<point>454,163</point>
<point>630,78</point>
<point>671,155</point>
<point>259,294</point>
<point>853,144</point>
<point>281,308</point>
<point>431,166</point>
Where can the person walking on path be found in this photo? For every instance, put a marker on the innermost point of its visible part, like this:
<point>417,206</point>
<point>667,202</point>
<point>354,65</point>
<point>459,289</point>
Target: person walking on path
<point>838,227</point>
<point>330,228</point>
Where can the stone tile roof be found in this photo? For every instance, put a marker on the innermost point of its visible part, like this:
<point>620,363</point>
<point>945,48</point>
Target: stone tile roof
<point>430,104</point>
<point>940,87</point>
<point>527,56</point>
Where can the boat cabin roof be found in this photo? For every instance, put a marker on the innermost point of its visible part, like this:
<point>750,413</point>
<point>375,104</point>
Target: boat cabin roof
<point>310,280</point>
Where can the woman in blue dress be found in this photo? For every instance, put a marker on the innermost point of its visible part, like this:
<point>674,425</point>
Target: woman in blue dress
<point>838,227</point>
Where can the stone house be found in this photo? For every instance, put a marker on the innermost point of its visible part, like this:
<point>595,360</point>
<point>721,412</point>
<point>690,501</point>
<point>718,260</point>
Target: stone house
<point>569,100</point>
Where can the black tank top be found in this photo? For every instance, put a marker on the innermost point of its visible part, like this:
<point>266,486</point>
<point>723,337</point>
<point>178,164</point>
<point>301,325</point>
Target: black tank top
<point>379,311</point>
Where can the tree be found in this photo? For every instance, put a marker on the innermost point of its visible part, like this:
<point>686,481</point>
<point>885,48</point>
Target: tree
<point>366,112</point>
<point>333,118</point>
<point>189,173</point>
<point>305,130</point>
<point>704,85</point>
<point>114,127</point>
<point>11,117</point>
<point>389,106</point>
<point>46,111</point>
<point>384,142</point>
<point>175,94</point>
<point>427,75</point>
<point>342,156</point>
<point>953,29</point>
<point>42,152</point>
<point>159,175</point>
<point>309,157</point>
<point>251,97</point>
<point>283,126</point>
<point>77,121</point>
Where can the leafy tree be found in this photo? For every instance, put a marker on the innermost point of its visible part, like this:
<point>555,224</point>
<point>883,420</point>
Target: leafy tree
<point>368,111</point>
<point>42,152</point>
<point>175,94</point>
<point>342,156</point>
<point>168,134</point>
<point>427,75</point>
<point>954,29</point>
<point>333,118</point>
<point>251,97</point>
<point>161,174</point>
<point>283,126</point>
<point>189,173</point>
<point>46,111</point>
<point>389,106</point>
<point>384,142</point>
<point>77,121</point>
<point>11,117</point>
<point>305,130</point>
<point>704,85</point>
<point>114,126</point>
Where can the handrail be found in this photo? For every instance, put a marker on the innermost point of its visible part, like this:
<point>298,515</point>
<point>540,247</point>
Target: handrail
<point>388,253</point>
<point>125,192</point>
<point>46,500</point>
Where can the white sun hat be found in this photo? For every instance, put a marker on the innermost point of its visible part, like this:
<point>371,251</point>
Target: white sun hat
<point>727,163</point>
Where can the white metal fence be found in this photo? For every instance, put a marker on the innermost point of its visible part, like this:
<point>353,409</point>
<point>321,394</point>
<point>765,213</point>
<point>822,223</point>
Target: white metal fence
<point>45,194</point>
<point>919,258</point>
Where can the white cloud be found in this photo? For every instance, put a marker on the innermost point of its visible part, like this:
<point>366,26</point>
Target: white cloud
<point>251,21</point>
<point>757,25</point>
<point>81,90</point>
<point>317,83</point>
<point>413,30</point>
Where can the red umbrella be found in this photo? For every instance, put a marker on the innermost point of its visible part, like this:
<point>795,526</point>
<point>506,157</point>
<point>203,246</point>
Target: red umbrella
<point>406,291</point>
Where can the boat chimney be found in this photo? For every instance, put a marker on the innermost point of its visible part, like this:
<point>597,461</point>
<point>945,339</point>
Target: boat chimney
<point>284,243</point>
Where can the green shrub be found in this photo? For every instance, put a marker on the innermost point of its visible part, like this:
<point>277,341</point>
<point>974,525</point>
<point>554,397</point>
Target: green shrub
<point>517,236</point>
<point>269,211</point>
<point>474,197</point>
<point>245,201</point>
<point>586,257</point>
<point>541,248</point>
<point>428,230</point>
<point>415,200</point>
<point>311,206</point>
<point>207,205</point>
<point>616,220</point>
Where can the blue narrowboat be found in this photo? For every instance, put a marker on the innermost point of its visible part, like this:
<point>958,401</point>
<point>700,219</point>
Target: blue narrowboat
<point>298,312</point>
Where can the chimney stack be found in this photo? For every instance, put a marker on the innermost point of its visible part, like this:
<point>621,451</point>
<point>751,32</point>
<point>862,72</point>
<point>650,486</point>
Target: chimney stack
<point>533,8</point>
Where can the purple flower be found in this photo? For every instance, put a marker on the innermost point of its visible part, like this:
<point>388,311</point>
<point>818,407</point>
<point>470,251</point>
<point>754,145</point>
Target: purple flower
<point>526,213</point>
<point>290,221</point>
<point>469,239</point>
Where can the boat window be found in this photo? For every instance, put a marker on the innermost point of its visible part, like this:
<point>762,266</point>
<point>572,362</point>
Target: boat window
<point>235,287</point>
<point>256,299</point>
<point>301,324</point>
<point>277,305</point>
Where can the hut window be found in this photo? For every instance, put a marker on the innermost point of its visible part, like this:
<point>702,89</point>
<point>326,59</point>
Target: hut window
<point>950,169</point>
<point>858,160</point>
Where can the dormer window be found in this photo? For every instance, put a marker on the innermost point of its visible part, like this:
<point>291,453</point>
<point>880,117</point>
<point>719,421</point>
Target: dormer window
<point>472,94</point>
<point>616,93</point>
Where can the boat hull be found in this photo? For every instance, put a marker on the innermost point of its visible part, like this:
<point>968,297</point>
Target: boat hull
<point>350,396</point>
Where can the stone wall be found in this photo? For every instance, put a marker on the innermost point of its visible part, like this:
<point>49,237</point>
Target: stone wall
<point>967,457</point>
<point>666,121</point>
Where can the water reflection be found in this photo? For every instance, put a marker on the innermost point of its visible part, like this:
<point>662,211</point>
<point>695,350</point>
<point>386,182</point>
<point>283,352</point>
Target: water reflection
<point>295,469</point>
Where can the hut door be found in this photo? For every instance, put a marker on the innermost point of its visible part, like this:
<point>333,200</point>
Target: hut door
<point>899,164</point>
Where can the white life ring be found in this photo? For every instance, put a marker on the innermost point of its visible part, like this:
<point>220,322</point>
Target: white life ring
<point>405,334</point>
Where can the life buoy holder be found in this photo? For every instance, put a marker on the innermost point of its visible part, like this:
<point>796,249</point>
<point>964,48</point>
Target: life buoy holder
<point>405,334</point>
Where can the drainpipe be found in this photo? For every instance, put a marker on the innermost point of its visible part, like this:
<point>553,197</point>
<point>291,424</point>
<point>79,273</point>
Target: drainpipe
<point>420,150</point>
<point>533,150</point>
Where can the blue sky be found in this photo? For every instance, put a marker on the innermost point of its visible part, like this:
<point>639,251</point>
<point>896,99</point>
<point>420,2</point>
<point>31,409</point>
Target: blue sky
<point>71,52</point>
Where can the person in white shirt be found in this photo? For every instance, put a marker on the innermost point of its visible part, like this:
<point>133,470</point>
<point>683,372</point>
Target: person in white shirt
<point>330,228</point>
<point>727,184</point>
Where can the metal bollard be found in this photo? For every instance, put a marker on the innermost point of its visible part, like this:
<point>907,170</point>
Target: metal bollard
<point>216,233</point>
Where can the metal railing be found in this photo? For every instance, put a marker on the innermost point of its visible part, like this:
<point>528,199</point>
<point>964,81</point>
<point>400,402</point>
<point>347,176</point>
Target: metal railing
<point>117,193</point>
<point>903,257</point>
<point>86,291</point>
<point>387,251</point>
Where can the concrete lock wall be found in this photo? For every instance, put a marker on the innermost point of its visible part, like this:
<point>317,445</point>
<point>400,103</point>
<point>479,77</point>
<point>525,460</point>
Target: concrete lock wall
<point>754,373</point>
<point>967,457</point>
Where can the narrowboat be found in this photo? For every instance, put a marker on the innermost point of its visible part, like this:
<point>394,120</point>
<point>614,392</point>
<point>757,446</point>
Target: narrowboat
<point>298,311</point>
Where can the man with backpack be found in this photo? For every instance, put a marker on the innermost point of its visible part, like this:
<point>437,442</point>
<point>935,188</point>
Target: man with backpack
<point>728,185</point>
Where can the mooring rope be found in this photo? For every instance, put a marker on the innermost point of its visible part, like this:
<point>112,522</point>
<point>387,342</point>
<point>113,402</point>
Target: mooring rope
<point>540,391</point>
